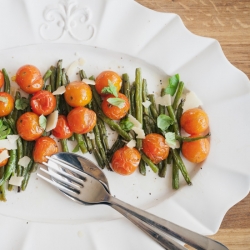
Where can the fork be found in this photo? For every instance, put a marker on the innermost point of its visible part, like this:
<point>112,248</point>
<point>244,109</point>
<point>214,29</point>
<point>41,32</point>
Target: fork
<point>85,189</point>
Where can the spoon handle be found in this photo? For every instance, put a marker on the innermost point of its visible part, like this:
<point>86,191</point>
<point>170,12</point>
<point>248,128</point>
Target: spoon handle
<point>191,238</point>
<point>160,237</point>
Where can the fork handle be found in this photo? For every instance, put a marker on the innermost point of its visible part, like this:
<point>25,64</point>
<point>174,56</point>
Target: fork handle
<point>163,239</point>
<point>191,238</point>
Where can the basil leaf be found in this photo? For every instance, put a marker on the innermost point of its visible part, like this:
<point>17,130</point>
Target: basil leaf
<point>5,133</point>
<point>171,141</point>
<point>76,148</point>
<point>21,104</point>
<point>164,121</point>
<point>111,89</point>
<point>126,125</point>
<point>172,85</point>
<point>3,99</point>
<point>42,121</point>
<point>116,102</point>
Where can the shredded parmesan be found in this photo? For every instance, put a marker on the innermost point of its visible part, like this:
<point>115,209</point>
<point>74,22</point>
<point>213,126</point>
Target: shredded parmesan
<point>5,143</point>
<point>4,155</point>
<point>52,121</point>
<point>88,81</point>
<point>134,121</point>
<point>59,91</point>
<point>91,136</point>
<point>192,101</point>
<point>164,100</point>
<point>16,180</point>
<point>131,144</point>
<point>12,138</point>
<point>140,132</point>
<point>146,104</point>
<point>24,161</point>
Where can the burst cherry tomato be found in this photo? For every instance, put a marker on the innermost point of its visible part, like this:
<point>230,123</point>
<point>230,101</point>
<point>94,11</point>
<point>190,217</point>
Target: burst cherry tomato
<point>196,151</point>
<point>28,126</point>
<point>194,121</point>
<point>4,162</point>
<point>78,94</point>
<point>1,79</point>
<point>115,112</point>
<point>43,102</point>
<point>29,78</point>
<point>81,120</point>
<point>62,130</point>
<point>126,160</point>
<point>45,146</point>
<point>6,104</point>
<point>102,81</point>
<point>155,147</point>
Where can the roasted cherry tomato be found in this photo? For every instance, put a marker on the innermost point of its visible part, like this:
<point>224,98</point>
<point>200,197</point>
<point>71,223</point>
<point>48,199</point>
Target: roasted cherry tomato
<point>195,121</point>
<point>6,104</point>
<point>29,78</point>
<point>62,130</point>
<point>28,126</point>
<point>102,81</point>
<point>126,160</point>
<point>45,146</point>
<point>115,112</point>
<point>196,151</point>
<point>78,94</point>
<point>1,79</point>
<point>43,102</point>
<point>81,120</point>
<point>155,147</point>
<point>4,162</point>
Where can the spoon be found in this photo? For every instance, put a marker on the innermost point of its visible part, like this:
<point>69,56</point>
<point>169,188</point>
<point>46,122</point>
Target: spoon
<point>89,191</point>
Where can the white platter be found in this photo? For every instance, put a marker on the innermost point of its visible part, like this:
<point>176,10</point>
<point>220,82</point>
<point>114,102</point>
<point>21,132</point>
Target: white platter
<point>122,35</point>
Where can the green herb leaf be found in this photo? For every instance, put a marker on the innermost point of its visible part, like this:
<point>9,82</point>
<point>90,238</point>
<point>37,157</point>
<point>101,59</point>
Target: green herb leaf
<point>116,102</point>
<point>21,104</point>
<point>172,84</point>
<point>111,89</point>
<point>76,148</point>
<point>171,141</point>
<point>164,121</point>
<point>3,99</point>
<point>5,133</point>
<point>126,125</point>
<point>42,121</point>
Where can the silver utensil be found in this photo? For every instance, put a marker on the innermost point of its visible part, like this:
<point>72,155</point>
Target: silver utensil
<point>84,188</point>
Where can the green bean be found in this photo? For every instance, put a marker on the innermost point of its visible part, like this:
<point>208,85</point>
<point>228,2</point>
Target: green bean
<point>53,78</point>
<point>119,143</point>
<point>146,125</point>
<point>161,107</point>
<point>6,81</point>
<point>3,194</point>
<point>181,166</point>
<point>81,143</point>
<point>163,170</point>
<point>46,76</point>
<point>103,134</point>
<point>64,145</point>
<point>142,167</point>
<point>144,96</point>
<point>14,113</point>
<point>126,87</point>
<point>172,115</point>
<point>26,175</point>
<point>132,100</point>
<point>48,87</point>
<point>179,112</point>
<point>88,143</point>
<point>10,167</point>
<point>100,147</point>
<point>82,74</point>
<point>190,139</point>
<point>153,107</point>
<point>149,162</point>
<point>178,95</point>
<point>96,96</point>
<point>175,175</point>
<point>58,81</point>
<point>97,155</point>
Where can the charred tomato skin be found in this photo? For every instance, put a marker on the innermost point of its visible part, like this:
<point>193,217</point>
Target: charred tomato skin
<point>126,160</point>
<point>155,147</point>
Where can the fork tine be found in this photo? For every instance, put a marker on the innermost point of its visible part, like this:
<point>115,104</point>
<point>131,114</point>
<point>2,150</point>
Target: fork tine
<point>59,186</point>
<point>69,176</point>
<point>66,165</point>
<point>57,176</point>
